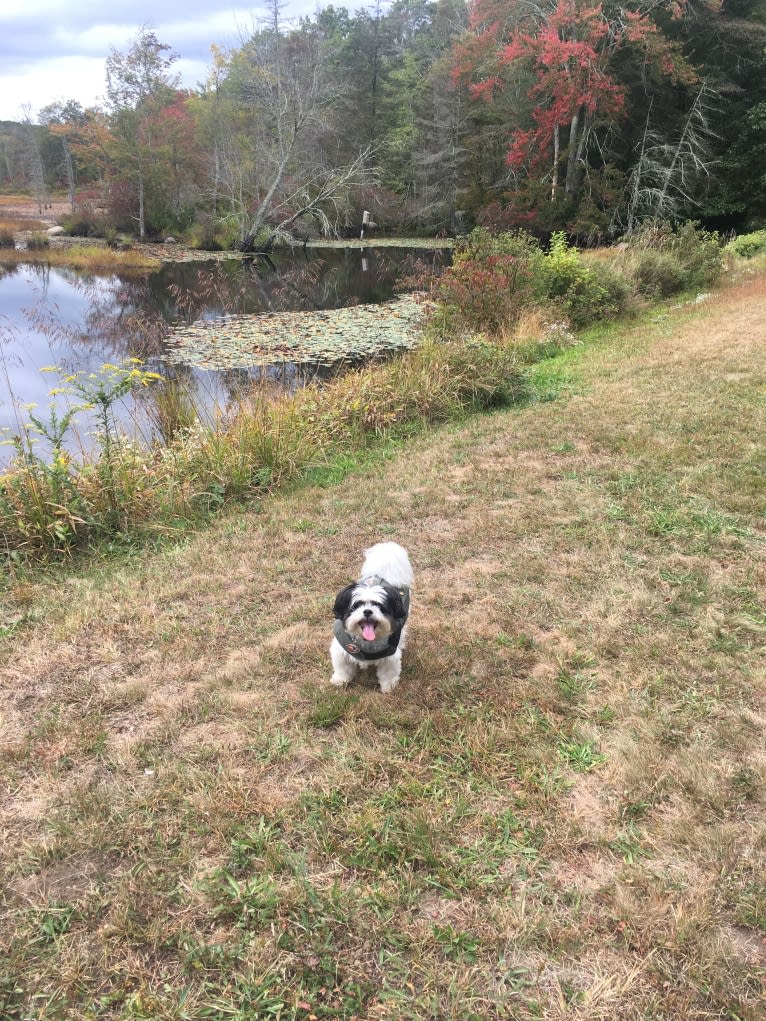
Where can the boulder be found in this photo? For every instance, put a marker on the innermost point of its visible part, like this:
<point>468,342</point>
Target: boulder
<point>55,232</point>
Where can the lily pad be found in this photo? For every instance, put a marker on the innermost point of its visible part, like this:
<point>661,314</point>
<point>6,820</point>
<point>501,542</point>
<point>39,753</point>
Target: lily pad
<point>300,338</point>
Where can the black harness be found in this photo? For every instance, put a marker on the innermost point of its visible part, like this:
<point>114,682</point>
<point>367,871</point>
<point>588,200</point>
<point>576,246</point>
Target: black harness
<point>366,651</point>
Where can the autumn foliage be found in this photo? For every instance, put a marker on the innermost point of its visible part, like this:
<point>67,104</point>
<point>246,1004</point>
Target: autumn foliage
<point>588,116</point>
<point>565,63</point>
<point>569,56</point>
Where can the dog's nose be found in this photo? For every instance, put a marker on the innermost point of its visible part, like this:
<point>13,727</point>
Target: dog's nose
<point>368,613</point>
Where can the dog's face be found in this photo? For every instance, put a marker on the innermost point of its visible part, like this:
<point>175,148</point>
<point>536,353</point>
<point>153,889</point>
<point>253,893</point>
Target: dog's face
<point>369,611</point>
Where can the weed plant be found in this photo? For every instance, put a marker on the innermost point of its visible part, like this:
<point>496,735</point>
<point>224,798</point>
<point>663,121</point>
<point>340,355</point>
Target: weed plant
<point>38,242</point>
<point>664,260</point>
<point>657,274</point>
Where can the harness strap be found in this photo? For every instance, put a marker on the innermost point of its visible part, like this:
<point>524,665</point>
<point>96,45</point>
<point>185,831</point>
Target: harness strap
<point>366,651</point>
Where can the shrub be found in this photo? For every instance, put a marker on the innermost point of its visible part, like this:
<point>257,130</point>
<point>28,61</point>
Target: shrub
<point>495,277</point>
<point>617,292</point>
<point>85,222</point>
<point>37,242</point>
<point>656,274</point>
<point>492,278</point>
<point>7,239</point>
<point>75,225</point>
<point>583,294</point>
<point>698,251</point>
<point>209,235</point>
<point>748,245</point>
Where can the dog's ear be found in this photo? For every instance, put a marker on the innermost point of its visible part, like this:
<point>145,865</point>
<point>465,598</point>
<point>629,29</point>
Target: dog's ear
<point>395,606</point>
<point>343,602</point>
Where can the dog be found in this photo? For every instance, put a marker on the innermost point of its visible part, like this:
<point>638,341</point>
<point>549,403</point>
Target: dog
<point>371,616</point>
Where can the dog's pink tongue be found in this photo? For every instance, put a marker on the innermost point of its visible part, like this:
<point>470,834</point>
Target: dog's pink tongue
<point>368,632</point>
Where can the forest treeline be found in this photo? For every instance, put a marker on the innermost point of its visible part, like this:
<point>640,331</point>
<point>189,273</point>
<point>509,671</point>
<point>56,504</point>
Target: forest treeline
<point>432,115</point>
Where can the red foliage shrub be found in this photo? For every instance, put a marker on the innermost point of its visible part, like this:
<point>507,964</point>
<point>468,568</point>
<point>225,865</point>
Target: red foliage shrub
<point>486,294</point>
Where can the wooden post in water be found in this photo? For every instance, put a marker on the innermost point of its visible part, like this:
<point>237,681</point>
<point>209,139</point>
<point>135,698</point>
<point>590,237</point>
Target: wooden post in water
<point>365,221</point>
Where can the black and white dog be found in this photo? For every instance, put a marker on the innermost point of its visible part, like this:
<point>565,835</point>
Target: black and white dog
<point>370,618</point>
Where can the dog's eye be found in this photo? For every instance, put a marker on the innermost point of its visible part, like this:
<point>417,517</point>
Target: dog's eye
<point>356,604</point>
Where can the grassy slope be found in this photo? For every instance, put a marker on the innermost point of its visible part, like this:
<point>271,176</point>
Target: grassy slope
<point>559,813</point>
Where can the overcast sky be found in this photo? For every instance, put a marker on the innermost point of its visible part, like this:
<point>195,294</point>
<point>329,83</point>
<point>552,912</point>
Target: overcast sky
<point>54,50</point>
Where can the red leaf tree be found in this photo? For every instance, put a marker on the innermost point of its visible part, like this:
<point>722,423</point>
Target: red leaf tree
<point>569,54</point>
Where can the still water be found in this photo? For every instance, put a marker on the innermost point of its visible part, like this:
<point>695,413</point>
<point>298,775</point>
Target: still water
<point>79,321</point>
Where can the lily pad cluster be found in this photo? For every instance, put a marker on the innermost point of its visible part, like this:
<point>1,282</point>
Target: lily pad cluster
<point>300,338</point>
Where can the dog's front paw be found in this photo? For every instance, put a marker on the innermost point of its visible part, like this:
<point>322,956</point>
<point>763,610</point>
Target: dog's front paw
<point>389,670</point>
<point>339,680</point>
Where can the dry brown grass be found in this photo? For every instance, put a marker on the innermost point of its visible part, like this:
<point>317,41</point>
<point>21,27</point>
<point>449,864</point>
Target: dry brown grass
<point>20,213</point>
<point>13,225</point>
<point>81,256</point>
<point>21,216</point>
<point>558,814</point>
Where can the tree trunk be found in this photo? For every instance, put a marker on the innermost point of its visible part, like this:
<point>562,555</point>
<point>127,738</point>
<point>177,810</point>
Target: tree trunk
<point>141,217</point>
<point>556,156</point>
<point>571,179</point>
<point>216,176</point>
<point>70,172</point>
<point>33,160</point>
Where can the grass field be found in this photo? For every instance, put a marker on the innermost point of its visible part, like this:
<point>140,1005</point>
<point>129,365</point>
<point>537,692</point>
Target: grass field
<point>560,812</point>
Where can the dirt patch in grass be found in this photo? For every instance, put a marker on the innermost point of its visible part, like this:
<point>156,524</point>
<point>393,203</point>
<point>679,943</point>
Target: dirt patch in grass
<point>560,811</point>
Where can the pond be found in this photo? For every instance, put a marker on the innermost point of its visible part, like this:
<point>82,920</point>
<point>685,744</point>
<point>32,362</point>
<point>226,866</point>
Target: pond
<point>217,325</point>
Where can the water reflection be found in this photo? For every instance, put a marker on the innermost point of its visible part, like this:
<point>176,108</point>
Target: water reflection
<point>79,321</point>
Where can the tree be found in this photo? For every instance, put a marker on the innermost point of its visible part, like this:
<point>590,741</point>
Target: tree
<point>32,158</point>
<point>213,116</point>
<point>138,85</point>
<point>728,41</point>
<point>561,63</point>
<point>180,187</point>
<point>275,164</point>
<point>440,155</point>
<point>64,121</point>
<point>91,144</point>
<point>663,179</point>
<point>570,54</point>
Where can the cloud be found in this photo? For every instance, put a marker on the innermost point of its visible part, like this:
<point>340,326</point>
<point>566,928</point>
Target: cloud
<point>63,78</point>
<point>56,50</point>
